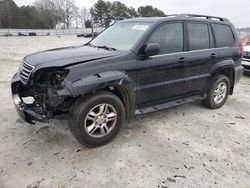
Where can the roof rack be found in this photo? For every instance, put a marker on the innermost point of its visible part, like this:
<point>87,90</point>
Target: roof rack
<point>198,16</point>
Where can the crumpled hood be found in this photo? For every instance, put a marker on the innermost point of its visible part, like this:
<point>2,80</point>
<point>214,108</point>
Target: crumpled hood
<point>66,56</point>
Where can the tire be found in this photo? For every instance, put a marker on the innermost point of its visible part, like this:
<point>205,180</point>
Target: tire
<point>97,119</point>
<point>211,101</point>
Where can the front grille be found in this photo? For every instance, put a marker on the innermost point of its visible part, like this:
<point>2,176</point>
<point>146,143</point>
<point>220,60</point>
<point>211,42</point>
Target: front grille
<point>25,71</point>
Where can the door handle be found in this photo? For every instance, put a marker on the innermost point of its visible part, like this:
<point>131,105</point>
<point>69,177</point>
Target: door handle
<point>213,55</point>
<point>182,60</point>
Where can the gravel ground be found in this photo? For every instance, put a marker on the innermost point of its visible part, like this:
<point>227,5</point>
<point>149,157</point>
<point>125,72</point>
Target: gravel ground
<point>185,146</point>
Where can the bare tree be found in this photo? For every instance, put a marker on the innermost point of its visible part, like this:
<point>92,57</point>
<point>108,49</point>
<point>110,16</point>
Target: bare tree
<point>84,15</point>
<point>67,10</point>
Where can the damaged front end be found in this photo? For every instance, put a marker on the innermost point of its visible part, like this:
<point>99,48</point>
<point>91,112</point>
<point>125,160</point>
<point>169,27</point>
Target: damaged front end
<point>40,95</point>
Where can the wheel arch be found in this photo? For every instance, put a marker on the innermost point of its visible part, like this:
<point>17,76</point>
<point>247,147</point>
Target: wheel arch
<point>116,82</point>
<point>226,68</point>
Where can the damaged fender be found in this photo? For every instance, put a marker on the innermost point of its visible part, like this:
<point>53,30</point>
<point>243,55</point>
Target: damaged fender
<point>107,80</point>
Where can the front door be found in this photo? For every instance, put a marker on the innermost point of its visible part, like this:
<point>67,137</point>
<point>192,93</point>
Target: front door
<point>163,77</point>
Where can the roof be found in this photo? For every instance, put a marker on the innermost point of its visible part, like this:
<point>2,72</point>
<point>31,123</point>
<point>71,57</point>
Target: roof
<point>179,17</point>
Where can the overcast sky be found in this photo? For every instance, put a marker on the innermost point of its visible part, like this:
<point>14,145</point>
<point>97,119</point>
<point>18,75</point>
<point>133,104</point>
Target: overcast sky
<point>235,10</point>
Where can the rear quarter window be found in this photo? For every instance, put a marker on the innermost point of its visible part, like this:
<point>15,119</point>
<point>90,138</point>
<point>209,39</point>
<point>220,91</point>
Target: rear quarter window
<point>223,35</point>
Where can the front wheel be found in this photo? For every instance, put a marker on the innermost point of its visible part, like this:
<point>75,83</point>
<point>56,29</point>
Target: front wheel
<point>218,92</point>
<point>96,120</point>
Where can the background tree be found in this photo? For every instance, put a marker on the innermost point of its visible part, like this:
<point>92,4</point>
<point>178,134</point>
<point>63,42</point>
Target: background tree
<point>9,14</point>
<point>48,13</point>
<point>67,11</point>
<point>119,11</point>
<point>29,18</point>
<point>132,13</point>
<point>108,14</point>
<point>149,11</point>
<point>105,12</point>
<point>101,12</point>
<point>84,16</point>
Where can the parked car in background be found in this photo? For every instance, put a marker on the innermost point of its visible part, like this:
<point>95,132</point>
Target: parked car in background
<point>134,67</point>
<point>246,58</point>
<point>87,35</point>
<point>21,34</point>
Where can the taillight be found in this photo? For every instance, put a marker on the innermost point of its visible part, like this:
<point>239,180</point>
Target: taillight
<point>241,49</point>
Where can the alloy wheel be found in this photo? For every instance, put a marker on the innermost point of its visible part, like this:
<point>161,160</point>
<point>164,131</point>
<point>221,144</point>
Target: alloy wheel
<point>100,120</point>
<point>220,92</point>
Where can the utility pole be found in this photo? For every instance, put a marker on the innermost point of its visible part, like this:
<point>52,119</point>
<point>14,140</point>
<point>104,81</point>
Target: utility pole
<point>92,27</point>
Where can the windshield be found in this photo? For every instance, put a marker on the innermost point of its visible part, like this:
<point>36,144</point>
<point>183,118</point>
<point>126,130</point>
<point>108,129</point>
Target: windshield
<point>121,36</point>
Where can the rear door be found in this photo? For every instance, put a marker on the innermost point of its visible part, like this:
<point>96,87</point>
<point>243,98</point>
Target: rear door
<point>208,44</point>
<point>202,55</point>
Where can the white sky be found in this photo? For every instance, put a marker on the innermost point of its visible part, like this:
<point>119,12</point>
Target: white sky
<point>235,10</point>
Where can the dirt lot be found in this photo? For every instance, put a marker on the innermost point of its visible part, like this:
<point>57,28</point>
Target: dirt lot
<point>186,146</point>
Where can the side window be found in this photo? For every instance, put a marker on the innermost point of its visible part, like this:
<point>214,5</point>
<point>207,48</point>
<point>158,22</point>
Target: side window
<point>170,38</point>
<point>223,35</point>
<point>198,36</point>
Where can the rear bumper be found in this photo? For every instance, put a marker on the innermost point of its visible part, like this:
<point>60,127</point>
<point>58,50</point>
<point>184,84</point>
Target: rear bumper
<point>28,112</point>
<point>238,73</point>
<point>246,64</point>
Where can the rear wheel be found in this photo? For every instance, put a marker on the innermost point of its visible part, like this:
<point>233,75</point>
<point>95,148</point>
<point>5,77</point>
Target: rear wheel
<point>96,120</point>
<point>218,92</point>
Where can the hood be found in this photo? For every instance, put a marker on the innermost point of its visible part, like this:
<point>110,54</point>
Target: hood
<point>67,56</point>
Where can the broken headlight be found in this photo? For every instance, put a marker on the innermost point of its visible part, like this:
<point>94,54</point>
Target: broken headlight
<point>58,76</point>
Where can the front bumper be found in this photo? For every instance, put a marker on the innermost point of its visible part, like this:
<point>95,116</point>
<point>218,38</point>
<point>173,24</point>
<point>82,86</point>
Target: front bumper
<point>28,112</point>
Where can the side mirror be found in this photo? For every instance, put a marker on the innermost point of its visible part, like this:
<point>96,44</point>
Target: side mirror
<point>152,49</point>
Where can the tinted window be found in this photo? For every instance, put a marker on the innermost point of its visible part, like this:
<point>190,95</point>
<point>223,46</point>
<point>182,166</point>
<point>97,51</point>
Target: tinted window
<point>198,36</point>
<point>170,38</point>
<point>223,35</point>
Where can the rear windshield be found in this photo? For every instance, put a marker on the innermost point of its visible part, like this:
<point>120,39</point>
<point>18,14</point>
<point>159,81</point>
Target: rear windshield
<point>223,35</point>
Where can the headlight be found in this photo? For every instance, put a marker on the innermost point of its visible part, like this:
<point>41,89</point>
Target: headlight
<point>58,76</point>
<point>50,77</point>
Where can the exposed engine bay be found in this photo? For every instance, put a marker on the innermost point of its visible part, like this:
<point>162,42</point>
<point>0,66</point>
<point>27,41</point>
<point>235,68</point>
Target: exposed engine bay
<point>46,88</point>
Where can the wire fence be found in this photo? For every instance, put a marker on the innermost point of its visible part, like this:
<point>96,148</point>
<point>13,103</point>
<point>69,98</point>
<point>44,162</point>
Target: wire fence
<point>46,32</point>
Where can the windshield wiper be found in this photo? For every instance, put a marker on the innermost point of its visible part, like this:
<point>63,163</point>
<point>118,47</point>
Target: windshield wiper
<point>91,45</point>
<point>106,48</point>
<point>103,47</point>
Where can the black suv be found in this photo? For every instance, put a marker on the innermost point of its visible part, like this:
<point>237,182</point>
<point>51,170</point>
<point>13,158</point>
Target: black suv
<point>133,67</point>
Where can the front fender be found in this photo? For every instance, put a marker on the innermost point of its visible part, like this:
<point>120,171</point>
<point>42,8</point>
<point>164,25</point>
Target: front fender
<point>116,79</point>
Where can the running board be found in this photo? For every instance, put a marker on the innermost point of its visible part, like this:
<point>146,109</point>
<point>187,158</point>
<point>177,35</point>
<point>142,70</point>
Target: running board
<point>170,104</point>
